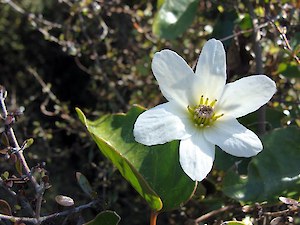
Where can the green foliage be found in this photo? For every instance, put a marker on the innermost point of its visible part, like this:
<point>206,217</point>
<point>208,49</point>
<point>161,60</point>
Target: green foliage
<point>273,173</point>
<point>153,171</point>
<point>224,25</point>
<point>27,143</point>
<point>291,70</point>
<point>174,17</point>
<point>85,185</point>
<point>98,56</point>
<point>105,218</point>
<point>234,223</point>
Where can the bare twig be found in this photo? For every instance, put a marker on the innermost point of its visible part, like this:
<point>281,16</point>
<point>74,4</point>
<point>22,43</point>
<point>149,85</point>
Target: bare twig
<point>287,44</point>
<point>31,16</point>
<point>51,216</point>
<point>213,213</point>
<point>236,34</point>
<point>19,152</point>
<point>97,61</point>
<point>46,87</point>
<point>39,188</point>
<point>14,6</point>
<point>18,149</point>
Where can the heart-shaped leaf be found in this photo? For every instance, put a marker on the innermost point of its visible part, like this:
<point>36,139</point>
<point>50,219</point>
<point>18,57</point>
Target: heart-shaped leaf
<point>154,171</point>
<point>273,173</point>
<point>224,161</point>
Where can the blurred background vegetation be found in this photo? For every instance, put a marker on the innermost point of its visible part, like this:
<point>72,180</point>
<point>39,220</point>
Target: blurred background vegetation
<point>56,55</point>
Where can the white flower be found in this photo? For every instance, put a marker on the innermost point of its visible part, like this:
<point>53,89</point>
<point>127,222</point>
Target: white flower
<point>202,109</point>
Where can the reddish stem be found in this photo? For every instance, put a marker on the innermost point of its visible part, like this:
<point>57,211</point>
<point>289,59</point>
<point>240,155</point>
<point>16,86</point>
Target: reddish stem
<point>153,218</point>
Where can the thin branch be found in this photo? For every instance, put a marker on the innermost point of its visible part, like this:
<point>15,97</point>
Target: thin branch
<point>70,211</point>
<point>236,34</point>
<point>287,44</point>
<point>39,190</point>
<point>31,16</point>
<point>39,200</point>
<point>19,150</point>
<point>290,210</point>
<point>14,6</point>
<point>46,88</point>
<point>213,213</point>
<point>51,216</point>
<point>119,96</point>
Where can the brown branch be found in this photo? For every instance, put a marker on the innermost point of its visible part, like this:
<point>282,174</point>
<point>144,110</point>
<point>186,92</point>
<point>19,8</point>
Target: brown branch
<point>287,44</point>
<point>18,149</point>
<point>213,213</point>
<point>46,88</point>
<point>14,6</point>
<point>51,216</point>
<point>236,34</point>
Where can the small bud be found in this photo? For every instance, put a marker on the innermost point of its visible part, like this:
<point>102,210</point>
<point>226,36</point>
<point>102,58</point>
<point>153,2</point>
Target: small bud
<point>64,200</point>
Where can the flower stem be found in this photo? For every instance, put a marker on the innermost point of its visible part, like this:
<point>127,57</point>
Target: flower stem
<point>153,218</point>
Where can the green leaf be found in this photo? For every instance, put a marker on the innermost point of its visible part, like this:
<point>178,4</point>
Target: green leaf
<point>19,166</point>
<point>290,70</point>
<point>159,3</point>
<point>224,26</point>
<point>85,185</point>
<point>5,175</point>
<point>5,208</point>
<point>27,143</point>
<point>174,17</point>
<point>233,223</point>
<point>246,22</point>
<point>154,171</point>
<point>105,218</point>
<point>295,42</point>
<point>4,139</point>
<point>273,173</point>
<point>225,161</point>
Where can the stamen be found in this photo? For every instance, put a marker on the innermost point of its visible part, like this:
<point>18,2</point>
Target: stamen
<point>213,103</point>
<point>206,101</point>
<point>191,110</point>
<point>203,114</point>
<point>201,100</point>
<point>218,116</point>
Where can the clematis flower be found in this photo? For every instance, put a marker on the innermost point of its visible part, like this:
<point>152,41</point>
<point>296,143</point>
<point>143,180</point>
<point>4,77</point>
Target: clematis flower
<point>202,109</point>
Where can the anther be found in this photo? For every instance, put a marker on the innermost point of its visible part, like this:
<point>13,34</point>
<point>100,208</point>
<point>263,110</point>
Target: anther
<point>203,114</point>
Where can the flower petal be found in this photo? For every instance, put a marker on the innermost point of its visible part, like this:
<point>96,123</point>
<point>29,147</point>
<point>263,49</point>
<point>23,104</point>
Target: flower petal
<point>246,95</point>
<point>161,124</point>
<point>234,138</point>
<point>196,156</point>
<point>211,71</point>
<point>174,76</point>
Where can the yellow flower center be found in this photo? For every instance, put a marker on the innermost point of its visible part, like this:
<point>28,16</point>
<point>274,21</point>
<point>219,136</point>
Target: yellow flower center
<point>203,115</point>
